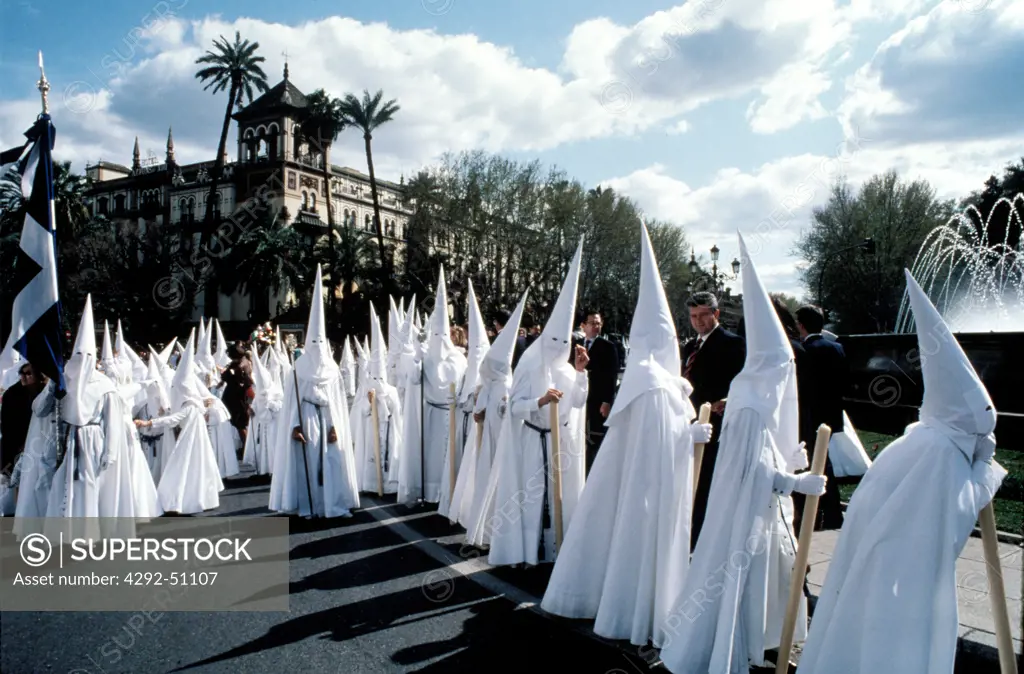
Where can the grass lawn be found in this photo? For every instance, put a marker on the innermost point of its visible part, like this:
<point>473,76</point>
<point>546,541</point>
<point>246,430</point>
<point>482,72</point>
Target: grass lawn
<point>1009,502</point>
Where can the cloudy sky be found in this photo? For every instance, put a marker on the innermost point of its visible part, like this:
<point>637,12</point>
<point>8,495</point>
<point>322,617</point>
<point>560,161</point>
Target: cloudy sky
<point>719,115</point>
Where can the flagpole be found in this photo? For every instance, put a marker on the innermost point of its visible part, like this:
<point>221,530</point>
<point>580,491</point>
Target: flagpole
<point>44,89</point>
<point>43,85</point>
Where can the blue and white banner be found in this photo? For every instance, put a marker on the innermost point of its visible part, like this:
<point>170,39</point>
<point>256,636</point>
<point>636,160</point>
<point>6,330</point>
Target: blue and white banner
<point>36,316</point>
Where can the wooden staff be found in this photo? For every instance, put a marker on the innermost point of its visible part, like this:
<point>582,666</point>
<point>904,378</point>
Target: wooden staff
<point>996,590</point>
<point>376,442</point>
<point>556,464</point>
<point>803,551</point>
<point>451,444</point>
<point>698,448</point>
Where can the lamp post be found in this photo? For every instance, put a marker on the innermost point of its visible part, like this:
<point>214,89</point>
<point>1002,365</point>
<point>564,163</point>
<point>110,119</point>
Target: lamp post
<point>867,244</point>
<point>718,277</point>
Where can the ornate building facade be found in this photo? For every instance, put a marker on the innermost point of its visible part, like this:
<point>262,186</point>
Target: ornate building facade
<point>275,170</point>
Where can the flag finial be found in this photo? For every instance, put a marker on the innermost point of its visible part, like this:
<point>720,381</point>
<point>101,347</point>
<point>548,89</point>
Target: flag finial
<point>43,85</point>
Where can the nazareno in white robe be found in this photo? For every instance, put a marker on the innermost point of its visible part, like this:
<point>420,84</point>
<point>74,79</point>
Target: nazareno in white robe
<point>190,482</point>
<point>82,487</point>
<point>522,481</point>
<point>330,467</point>
<point>223,436</point>
<point>889,602</point>
<point>389,430</point>
<point>626,556</point>
<point>733,602</point>
<point>493,402</point>
<point>426,401</point>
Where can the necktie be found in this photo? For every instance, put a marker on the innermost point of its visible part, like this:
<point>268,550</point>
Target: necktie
<point>693,356</point>
<point>588,343</point>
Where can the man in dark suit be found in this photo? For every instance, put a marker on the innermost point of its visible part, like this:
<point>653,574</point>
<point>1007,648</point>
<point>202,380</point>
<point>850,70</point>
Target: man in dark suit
<point>827,374</point>
<point>710,362</point>
<point>603,378</point>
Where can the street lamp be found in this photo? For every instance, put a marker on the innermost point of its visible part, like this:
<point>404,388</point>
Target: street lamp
<point>717,277</point>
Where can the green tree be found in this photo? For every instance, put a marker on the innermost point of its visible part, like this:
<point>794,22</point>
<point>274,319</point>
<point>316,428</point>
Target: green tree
<point>995,223</point>
<point>369,114</point>
<point>234,67</point>
<point>322,123</point>
<point>267,257</point>
<point>862,292</point>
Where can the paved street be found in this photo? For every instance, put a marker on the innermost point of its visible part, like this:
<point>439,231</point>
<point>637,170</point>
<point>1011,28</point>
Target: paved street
<point>392,590</point>
<point>363,599</point>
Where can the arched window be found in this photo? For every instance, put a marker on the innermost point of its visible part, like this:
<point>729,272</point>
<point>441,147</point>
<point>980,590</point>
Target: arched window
<point>102,204</point>
<point>368,223</point>
<point>305,200</point>
<point>312,201</point>
<point>216,205</point>
<point>119,204</point>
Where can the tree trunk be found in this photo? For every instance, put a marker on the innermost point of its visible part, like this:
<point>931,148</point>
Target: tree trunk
<point>385,268</point>
<point>210,291</point>
<point>328,201</point>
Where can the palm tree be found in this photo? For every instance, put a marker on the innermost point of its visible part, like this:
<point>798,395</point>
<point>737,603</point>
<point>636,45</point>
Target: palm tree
<point>234,67</point>
<point>267,257</point>
<point>70,209</point>
<point>321,124</point>
<point>369,114</point>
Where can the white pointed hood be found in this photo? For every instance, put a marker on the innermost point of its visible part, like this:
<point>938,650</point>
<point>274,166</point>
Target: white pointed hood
<point>377,360</point>
<point>316,364</point>
<point>126,355</point>
<point>266,386</point>
<point>497,364</point>
<point>767,382</point>
<point>477,344</point>
<point>165,355</point>
<point>204,350</point>
<point>185,387</point>
<point>158,394</point>
<point>221,357</point>
<point>85,384</point>
<point>107,361</point>
<point>161,366</point>
<point>201,337</point>
<point>556,338</point>
<point>955,400</point>
<point>439,341</point>
<point>654,361</point>
<point>348,368</point>
<point>533,373</point>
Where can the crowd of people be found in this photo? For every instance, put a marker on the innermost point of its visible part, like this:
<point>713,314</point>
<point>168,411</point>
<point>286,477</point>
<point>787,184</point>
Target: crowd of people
<point>544,454</point>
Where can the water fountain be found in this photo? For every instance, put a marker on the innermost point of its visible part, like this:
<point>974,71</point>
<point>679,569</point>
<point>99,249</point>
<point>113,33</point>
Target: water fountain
<point>978,286</point>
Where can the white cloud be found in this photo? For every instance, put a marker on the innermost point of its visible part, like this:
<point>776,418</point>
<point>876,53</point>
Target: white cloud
<point>769,206</point>
<point>946,76</point>
<point>457,91</point>
<point>678,128</point>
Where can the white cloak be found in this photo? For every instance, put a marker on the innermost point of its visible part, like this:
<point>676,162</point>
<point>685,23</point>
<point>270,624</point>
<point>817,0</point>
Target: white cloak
<point>330,467</point>
<point>889,603</point>
<point>523,477</point>
<point>626,556</point>
<point>733,602</point>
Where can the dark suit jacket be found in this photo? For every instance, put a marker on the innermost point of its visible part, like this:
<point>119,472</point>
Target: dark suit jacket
<point>603,378</point>
<point>719,361</point>
<point>825,381</point>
